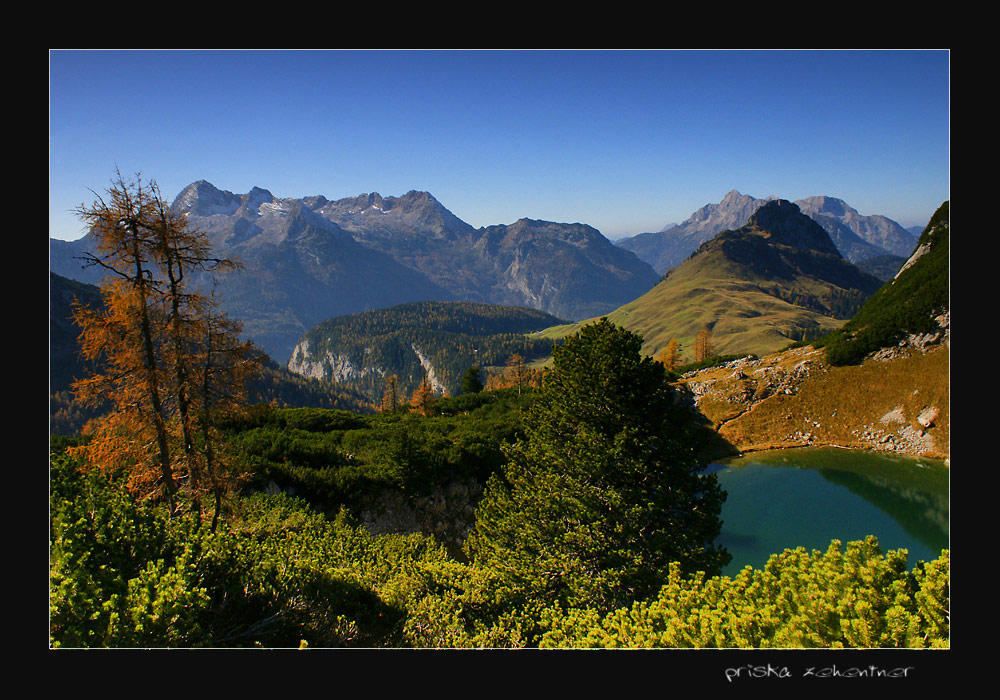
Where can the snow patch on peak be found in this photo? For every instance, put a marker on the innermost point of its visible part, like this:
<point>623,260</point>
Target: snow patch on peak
<point>276,208</point>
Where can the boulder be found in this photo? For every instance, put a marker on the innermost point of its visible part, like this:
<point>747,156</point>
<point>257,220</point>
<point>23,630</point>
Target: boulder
<point>928,416</point>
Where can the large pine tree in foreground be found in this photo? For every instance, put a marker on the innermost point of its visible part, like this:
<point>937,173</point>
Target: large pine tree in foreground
<point>604,491</point>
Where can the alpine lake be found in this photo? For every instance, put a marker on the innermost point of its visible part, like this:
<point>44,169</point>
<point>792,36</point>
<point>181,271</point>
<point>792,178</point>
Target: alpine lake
<point>806,497</point>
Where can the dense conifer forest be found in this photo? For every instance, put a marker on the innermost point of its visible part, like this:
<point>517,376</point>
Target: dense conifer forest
<point>452,336</point>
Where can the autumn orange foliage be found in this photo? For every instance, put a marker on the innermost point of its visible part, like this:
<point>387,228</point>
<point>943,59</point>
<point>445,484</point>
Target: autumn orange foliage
<point>422,398</point>
<point>169,361</point>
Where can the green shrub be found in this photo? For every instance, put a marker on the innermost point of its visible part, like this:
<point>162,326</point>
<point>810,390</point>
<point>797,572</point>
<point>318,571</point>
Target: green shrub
<point>856,598</point>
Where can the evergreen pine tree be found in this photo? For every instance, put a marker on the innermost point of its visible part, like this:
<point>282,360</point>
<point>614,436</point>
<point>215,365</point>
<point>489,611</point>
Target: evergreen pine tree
<point>604,491</point>
<point>471,383</point>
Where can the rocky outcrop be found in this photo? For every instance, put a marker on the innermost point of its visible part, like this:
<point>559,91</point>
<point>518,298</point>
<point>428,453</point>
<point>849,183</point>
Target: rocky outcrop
<point>895,432</point>
<point>921,342</point>
<point>328,367</point>
<point>437,386</point>
<point>748,381</point>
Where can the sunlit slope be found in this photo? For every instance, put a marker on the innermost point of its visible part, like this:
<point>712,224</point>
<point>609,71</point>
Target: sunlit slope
<point>743,317</point>
<point>776,280</point>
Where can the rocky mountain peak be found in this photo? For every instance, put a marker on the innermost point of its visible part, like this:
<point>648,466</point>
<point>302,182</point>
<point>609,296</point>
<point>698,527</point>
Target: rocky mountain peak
<point>774,213</point>
<point>824,204</point>
<point>787,224</point>
<point>419,196</point>
<point>258,196</point>
<point>734,197</point>
<point>202,198</point>
<point>732,212</point>
<point>315,201</point>
<point>415,201</point>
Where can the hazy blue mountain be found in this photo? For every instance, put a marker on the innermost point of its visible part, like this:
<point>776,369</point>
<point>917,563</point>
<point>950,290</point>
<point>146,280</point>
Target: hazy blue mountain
<point>857,237</point>
<point>875,229</point>
<point>565,269</point>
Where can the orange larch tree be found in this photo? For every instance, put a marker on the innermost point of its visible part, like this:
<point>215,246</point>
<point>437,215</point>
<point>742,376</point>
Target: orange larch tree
<point>670,356</point>
<point>517,372</point>
<point>122,337</point>
<point>170,360</point>
<point>703,345</point>
<point>423,395</point>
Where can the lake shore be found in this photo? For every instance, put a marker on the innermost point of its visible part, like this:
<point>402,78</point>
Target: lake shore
<point>818,494</point>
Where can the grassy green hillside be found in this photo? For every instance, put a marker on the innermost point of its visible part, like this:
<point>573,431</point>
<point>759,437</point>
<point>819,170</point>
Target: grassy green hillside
<point>743,318</point>
<point>775,281</point>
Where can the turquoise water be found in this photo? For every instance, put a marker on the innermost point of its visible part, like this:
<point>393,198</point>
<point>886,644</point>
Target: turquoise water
<point>807,497</point>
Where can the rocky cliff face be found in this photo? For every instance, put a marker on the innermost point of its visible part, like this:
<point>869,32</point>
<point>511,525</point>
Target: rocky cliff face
<point>329,367</point>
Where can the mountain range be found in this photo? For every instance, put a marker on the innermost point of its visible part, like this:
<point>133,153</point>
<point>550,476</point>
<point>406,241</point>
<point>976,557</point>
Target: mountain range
<point>310,259</point>
<point>859,238</point>
<point>776,279</point>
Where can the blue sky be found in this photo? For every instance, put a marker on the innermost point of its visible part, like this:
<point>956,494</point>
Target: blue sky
<point>626,141</point>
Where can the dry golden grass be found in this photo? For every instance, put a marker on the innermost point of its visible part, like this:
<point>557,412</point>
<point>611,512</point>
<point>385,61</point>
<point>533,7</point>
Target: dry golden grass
<point>744,318</point>
<point>874,405</point>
